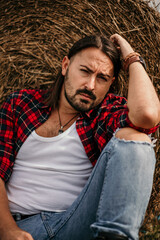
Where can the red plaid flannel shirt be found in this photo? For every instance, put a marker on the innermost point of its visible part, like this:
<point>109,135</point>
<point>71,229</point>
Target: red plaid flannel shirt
<point>25,110</point>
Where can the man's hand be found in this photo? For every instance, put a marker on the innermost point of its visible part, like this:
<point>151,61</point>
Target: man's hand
<point>122,45</point>
<point>15,234</point>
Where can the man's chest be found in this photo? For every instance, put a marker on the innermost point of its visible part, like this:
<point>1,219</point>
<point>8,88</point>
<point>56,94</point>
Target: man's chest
<point>49,128</point>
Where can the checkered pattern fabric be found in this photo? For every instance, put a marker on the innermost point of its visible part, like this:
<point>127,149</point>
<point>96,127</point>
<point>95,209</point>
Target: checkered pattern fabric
<point>25,110</point>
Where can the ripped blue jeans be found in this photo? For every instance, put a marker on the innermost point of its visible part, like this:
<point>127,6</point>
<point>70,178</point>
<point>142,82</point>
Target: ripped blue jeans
<point>114,198</point>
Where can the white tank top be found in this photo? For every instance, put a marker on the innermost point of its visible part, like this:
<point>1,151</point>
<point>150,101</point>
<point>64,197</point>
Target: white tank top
<point>49,173</point>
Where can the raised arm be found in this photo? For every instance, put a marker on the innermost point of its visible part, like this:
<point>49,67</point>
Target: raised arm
<point>143,102</point>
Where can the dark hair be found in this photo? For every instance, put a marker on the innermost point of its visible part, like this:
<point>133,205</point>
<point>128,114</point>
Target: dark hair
<point>100,42</point>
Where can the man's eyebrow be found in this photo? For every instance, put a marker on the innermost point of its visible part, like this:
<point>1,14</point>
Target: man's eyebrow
<point>90,70</point>
<point>99,74</point>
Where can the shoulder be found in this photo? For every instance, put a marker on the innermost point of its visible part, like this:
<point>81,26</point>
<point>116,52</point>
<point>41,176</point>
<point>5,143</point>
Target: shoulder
<point>24,97</point>
<point>110,104</point>
<point>27,95</point>
<point>24,93</point>
<point>113,100</point>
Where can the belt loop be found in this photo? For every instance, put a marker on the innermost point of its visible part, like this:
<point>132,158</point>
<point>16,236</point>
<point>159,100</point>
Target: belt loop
<point>17,216</point>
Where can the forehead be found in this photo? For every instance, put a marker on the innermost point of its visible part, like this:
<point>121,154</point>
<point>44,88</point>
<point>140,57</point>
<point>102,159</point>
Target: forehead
<point>93,57</point>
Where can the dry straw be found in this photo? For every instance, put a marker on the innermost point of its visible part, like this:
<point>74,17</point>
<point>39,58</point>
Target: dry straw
<point>35,35</point>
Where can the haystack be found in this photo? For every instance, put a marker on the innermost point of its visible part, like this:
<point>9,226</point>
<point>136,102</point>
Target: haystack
<point>36,34</point>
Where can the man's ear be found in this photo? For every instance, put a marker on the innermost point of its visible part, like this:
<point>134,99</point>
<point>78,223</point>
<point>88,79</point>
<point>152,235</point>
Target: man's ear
<point>65,64</point>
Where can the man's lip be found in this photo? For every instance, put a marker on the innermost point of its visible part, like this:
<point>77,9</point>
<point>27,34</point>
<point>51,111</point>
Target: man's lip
<point>86,95</point>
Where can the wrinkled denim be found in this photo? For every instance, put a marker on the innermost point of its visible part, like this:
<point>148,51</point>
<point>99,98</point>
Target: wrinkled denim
<point>114,198</point>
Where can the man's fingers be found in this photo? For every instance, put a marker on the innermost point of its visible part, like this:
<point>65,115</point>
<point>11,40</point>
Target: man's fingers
<point>115,38</point>
<point>28,237</point>
<point>17,235</point>
<point>121,44</point>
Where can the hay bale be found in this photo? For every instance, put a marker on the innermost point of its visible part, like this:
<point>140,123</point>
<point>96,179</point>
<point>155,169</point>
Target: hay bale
<point>36,34</point>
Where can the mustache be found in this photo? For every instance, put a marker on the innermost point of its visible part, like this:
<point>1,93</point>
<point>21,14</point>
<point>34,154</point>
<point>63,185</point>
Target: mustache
<point>85,91</point>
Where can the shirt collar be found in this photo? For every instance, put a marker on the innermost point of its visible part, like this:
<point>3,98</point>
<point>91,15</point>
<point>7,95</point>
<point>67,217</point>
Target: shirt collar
<point>92,111</point>
<point>89,113</point>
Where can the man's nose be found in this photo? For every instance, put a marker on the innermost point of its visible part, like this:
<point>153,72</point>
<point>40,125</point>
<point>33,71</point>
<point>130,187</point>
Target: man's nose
<point>91,82</point>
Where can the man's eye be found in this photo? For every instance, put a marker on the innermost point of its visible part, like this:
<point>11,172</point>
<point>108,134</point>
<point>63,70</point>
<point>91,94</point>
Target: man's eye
<point>103,78</point>
<point>84,70</point>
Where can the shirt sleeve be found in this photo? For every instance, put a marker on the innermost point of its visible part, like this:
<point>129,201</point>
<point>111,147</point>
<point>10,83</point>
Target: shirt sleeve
<point>118,116</point>
<point>124,121</point>
<point>6,140</point>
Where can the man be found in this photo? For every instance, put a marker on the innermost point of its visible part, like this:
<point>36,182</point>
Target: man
<point>51,145</point>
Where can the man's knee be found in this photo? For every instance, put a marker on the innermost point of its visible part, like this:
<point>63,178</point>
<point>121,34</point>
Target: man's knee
<point>132,134</point>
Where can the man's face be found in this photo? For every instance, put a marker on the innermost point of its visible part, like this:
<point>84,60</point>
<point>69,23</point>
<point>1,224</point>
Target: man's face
<point>88,76</point>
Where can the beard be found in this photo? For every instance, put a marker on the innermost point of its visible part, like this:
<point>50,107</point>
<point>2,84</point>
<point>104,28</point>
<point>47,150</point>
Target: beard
<point>80,105</point>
